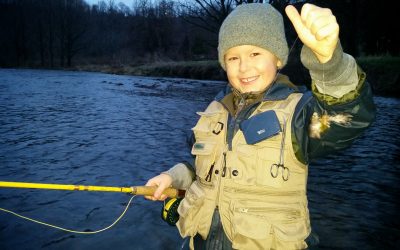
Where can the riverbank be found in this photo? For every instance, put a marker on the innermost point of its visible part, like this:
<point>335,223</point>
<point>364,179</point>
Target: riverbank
<point>382,72</point>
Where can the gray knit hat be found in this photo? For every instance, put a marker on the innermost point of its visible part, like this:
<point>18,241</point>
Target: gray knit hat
<point>255,24</point>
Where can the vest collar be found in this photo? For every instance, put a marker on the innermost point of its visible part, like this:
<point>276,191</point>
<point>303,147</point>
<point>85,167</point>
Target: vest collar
<point>277,91</point>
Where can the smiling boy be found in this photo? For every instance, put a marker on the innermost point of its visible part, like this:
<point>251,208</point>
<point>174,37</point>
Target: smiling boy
<point>246,188</point>
<point>250,68</point>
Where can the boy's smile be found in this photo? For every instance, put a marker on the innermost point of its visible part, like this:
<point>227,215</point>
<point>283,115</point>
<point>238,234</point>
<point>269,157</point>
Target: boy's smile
<point>250,80</point>
<point>250,68</point>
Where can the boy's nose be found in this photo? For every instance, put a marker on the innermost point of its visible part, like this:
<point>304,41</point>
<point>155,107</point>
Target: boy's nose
<point>244,64</point>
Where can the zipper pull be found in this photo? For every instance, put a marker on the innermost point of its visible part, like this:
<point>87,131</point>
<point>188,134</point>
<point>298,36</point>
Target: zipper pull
<point>224,168</point>
<point>240,106</point>
<point>243,210</point>
<point>209,175</point>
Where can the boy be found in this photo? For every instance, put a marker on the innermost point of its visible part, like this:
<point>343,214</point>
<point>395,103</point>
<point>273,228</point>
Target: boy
<point>253,143</point>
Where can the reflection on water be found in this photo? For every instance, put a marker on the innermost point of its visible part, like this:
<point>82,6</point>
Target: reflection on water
<point>98,129</point>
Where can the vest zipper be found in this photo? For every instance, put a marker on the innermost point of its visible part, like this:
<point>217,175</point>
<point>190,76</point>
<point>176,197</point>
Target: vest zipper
<point>288,213</point>
<point>220,181</point>
<point>224,168</point>
<point>240,106</point>
<point>266,193</point>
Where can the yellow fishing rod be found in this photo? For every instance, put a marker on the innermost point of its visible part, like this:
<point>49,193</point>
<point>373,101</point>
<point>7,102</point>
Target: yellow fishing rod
<point>169,213</point>
<point>135,190</point>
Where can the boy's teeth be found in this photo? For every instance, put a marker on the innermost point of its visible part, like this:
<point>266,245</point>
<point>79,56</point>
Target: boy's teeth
<point>249,79</point>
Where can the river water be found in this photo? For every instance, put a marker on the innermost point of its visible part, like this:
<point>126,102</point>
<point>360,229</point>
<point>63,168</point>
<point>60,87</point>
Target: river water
<point>100,129</point>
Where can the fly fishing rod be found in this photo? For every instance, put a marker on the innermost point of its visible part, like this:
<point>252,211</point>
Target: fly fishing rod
<point>134,190</point>
<point>168,214</point>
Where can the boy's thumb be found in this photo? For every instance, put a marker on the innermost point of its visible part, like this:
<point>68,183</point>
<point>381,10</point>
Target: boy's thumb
<point>159,191</point>
<point>294,17</point>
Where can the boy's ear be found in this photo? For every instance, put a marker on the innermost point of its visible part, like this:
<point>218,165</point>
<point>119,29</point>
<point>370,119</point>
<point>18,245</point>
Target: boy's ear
<point>279,64</point>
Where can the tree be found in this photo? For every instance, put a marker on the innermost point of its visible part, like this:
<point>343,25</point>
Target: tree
<point>72,27</point>
<point>207,14</point>
<point>62,32</point>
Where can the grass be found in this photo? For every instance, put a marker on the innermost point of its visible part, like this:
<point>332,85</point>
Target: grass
<point>205,70</point>
<point>388,62</point>
<point>383,74</point>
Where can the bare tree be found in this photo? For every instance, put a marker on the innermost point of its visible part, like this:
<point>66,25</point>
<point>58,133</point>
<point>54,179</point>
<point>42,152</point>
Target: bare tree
<point>60,32</point>
<point>72,26</point>
<point>207,14</point>
<point>50,25</point>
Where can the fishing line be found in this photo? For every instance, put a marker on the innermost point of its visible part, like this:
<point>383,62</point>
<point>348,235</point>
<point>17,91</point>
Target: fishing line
<point>69,230</point>
<point>323,87</point>
<point>289,53</point>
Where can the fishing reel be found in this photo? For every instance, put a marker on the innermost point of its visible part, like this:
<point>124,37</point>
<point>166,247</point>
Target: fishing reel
<point>169,212</point>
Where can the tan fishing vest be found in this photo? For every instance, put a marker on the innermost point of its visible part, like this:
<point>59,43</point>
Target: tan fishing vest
<point>262,205</point>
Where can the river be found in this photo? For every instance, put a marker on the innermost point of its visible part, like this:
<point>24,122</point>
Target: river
<point>101,129</point>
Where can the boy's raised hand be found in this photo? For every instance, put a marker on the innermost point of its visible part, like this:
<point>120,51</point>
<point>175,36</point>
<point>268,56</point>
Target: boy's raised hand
<point>317,29</point>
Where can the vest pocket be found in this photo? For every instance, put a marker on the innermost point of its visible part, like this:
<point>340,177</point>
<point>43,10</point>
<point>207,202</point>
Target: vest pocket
<point>189,210</point>
<point>261,225</point>
<point>205,157</point>
<point>296,230</point>
<point>269,174</point>
<point>208,125</point>
<point>250,231</point>
<point>290,235</point>
<point>243,169</point>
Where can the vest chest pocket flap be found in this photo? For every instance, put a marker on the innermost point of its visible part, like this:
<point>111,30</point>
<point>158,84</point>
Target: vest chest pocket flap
<point>260,127</point>
<point>209,124</point>
<point>205,156</point>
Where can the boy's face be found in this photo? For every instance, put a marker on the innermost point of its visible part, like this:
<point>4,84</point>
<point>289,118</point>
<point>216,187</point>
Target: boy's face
<point>250,68</point>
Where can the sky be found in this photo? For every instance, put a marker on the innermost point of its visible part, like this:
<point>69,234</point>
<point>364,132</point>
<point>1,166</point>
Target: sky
<point>126,2</point>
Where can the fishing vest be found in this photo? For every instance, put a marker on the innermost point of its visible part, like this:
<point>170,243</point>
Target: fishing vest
<point>257,184</point>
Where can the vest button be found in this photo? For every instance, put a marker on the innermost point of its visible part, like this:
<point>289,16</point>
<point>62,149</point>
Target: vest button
<point>235,172</point>
<point>216,171</point>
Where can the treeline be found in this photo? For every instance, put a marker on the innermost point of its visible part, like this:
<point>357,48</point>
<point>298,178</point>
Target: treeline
<point>61,33</point>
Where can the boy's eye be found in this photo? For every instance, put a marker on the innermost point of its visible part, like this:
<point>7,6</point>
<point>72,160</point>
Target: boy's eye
<point>254,54</point>
<point>232,58</point>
